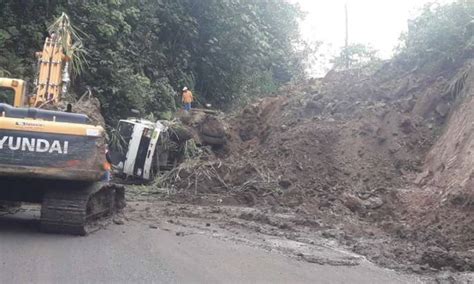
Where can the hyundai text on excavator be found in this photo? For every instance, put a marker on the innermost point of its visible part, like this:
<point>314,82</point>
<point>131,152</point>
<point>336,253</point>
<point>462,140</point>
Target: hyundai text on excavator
<point>55,158</point>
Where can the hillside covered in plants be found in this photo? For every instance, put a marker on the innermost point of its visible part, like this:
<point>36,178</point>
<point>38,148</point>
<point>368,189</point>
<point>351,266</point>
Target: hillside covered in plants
<point>139,54</point>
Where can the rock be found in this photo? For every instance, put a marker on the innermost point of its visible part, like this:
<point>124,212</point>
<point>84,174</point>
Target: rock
<point>422,178</point>
<point>285,183</point>
<point>394,149</point>
<point>416,268</point>
<point>314,259</point>
<point>437,257</point>
<point>443,109</point>
<point>407,126</point>
<point>330,234</point>
<point>313,108</point>
<point>381,140</point>
<point>118,222</point>
<point>152,226</point>
<point>353,203</point>
<point>317,96</point>
<point>212,126</point>
<point>373,203</point>
<point>445,279</point>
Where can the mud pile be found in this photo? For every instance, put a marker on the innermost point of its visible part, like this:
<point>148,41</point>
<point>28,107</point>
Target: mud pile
<point>442,206</point>
<point>87,104</point>
<point>383,157</point>
<point>205,126</point>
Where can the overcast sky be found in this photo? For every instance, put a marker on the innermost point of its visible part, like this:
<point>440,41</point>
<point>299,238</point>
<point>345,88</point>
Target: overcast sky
<point>375,22</point>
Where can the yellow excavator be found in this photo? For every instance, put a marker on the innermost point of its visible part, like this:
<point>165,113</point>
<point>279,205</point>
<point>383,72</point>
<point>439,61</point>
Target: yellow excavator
<point>55,158</point>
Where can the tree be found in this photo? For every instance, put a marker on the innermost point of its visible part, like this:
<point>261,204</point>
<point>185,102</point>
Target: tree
<point>440,32</point>
<point>355,56</point>
<point>140,53</point>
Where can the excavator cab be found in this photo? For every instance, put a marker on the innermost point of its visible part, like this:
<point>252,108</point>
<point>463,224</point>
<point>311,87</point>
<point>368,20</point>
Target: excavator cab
<point>13,92</point>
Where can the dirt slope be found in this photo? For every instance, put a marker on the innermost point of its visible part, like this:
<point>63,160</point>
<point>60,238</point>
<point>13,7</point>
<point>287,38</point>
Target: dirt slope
<point>443,205</point>
<point>384,158</point>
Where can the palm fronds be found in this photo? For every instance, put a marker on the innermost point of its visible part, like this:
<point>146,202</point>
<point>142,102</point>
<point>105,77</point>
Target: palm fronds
<point>71,42</point>
<point>116,141</point>
<point>4,73</point>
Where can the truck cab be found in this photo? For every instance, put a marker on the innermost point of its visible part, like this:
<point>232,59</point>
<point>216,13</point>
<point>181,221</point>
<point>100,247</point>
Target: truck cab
<point>139,153</point>
<point>13,92</point>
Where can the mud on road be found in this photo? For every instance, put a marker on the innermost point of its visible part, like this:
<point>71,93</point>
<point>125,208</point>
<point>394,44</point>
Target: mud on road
<point>152,243</point>
<point>155,239</point>
<point>285,233</point>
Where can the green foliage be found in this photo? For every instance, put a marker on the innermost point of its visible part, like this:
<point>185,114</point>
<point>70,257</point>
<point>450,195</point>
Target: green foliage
<point>355,56</point>
<point>241,39</point>
<point>191,150</point>
<point>441,32</point>
<point>70,42</point>
<point>140,53</point>
<point>257,86</point>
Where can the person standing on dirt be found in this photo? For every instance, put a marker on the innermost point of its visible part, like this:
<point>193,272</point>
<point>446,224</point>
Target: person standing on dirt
<point>187,98</point>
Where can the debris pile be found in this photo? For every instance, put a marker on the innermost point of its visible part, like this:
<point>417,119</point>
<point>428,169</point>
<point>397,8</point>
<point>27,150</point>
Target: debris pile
<point>204,126</point>
<point>385,157</point>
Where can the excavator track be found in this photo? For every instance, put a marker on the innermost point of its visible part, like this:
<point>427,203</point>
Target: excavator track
<point>76,210</point>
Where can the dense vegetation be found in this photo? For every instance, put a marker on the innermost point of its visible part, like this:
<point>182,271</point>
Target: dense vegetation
<point>142,52</point>
<point>440,32</point>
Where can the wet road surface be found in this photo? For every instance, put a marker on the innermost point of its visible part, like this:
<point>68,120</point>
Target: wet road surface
<point>136,253</point>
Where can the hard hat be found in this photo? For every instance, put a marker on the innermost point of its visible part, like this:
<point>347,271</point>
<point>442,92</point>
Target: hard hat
<point>185,88</point>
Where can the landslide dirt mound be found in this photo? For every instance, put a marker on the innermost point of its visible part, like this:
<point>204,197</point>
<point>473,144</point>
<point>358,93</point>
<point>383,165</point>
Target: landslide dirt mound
<point>442,209</point>
<point>360,152</point>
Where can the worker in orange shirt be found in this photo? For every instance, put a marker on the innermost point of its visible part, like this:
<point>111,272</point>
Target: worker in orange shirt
<point>187,98</point>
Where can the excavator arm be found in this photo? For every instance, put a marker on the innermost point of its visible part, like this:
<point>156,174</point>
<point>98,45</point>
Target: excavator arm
<point>52,76</point>
<point>53,73</point>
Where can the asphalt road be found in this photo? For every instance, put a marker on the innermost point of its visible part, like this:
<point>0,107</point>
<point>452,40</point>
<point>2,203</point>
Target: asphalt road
<point>135,253</point>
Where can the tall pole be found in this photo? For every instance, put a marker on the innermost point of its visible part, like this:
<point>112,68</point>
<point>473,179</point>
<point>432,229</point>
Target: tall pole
<point>347,35</point>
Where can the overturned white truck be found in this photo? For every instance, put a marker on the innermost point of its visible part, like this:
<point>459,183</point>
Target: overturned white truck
<point>142,148</point>
<point>139,150</point>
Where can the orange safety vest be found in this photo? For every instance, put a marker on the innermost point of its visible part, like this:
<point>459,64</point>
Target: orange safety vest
<point>187,97</point>
<point>107,166</point>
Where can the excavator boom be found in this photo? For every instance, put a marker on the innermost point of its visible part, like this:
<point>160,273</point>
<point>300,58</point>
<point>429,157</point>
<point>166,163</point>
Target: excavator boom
<point>51,62</point>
